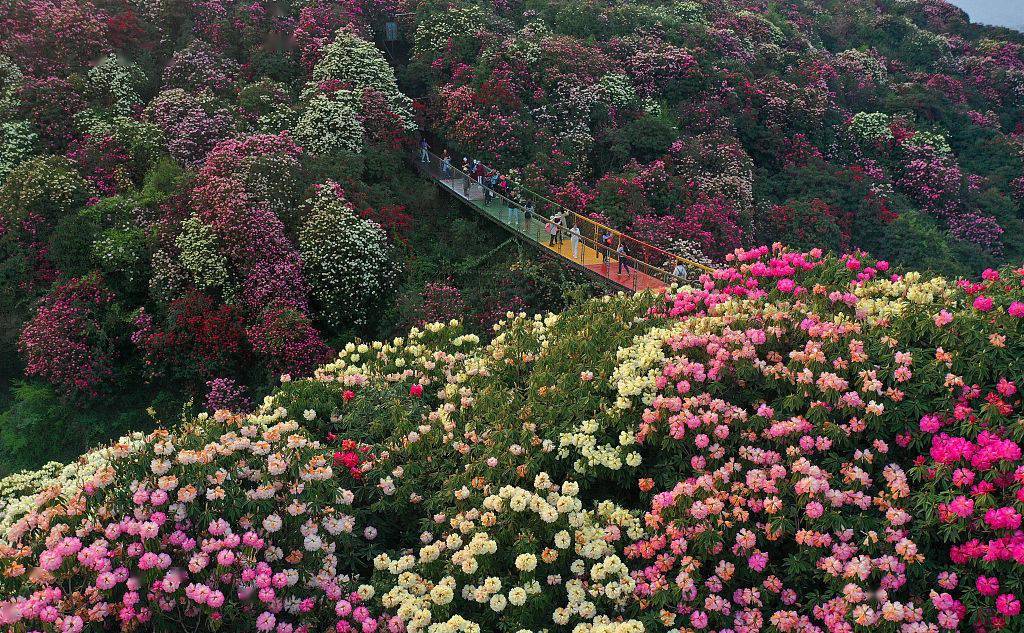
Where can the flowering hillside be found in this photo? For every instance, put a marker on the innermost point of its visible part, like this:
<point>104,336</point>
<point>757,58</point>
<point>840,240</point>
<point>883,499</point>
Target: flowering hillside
<point>894,126</point>
<point>196,197</point>
<point>800,443</point>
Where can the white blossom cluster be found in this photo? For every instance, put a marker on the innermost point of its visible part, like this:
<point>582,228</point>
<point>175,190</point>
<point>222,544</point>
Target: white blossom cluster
<point>347,259</point>
<point>199,255</point>
<point>119,81</point>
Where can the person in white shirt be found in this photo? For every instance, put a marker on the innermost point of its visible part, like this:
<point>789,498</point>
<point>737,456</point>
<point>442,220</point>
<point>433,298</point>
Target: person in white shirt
<point>574,240</point>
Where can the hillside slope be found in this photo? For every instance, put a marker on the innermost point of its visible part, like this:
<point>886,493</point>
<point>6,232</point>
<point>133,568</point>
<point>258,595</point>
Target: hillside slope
<point>802,443</point>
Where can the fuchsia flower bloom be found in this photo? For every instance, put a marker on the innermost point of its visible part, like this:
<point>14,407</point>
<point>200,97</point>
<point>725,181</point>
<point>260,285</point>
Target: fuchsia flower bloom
<point>982,303</point>
<point>1003,518</point>
<point>930,423</point>
<point>987,586</point>
<point>1016,310</point>
<point>1007,604</point>
<point>416,390</point>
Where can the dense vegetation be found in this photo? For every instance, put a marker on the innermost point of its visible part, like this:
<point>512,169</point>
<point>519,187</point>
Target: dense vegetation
<point>188,211</point>
<point>202,202</point>
<point>196,197</point>
<point>802,444</point>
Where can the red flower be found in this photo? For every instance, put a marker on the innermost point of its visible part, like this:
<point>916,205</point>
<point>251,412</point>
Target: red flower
<point>416,390</point>
<point>347,459</point>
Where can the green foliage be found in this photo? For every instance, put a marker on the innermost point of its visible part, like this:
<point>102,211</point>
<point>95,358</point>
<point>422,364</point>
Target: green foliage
<point>41,426</point>
<point>48,187</point>
<point>644,139</point>
<point>916,241</point>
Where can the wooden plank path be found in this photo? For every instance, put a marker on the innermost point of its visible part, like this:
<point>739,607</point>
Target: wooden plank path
<point>587,252</point>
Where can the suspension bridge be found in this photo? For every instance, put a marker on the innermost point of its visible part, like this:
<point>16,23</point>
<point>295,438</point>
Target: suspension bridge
<point>573,238</point>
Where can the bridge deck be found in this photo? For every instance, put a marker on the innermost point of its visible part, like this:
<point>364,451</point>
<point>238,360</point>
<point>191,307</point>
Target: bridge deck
<point>586,251</point>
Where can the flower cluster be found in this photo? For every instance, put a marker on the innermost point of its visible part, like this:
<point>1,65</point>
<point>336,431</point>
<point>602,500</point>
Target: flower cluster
<point>800,442</point>
<point>347,259</point>
<point>65,343</point>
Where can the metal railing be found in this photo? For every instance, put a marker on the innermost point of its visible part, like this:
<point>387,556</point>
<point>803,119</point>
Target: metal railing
<point>593,240</point>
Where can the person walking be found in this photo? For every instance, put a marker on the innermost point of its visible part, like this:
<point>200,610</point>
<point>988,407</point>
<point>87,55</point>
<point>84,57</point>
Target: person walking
<point>492,186</point>
<point>680,270</point>
<point>622,255</point>
<point>513,212</point>
<point>606,242</point>
<point>467,178</point>
<point>446,166</point>
<point>559,221</point>
<point>476,169</point>
<point>424,151</point>
<point>574,240</point>
<point>528,213</point>
<point>489,189</point>
<point>552,230</point>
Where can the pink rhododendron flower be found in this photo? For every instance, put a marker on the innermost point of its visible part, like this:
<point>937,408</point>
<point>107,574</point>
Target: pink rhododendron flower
<point>982,303</point>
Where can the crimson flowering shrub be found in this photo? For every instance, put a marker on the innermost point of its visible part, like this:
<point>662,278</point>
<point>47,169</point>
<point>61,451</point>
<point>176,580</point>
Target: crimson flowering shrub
<point>53,37</point>
<point>316,26</point>
<point>253,237</point>
<point>287,341</point>
<point>68,342</point>
<point>192,122</point>
<point>198,340</point>
<point>441,302</point>
<point>103,161</point>
<point>198,67</point>
<point>51,102</point>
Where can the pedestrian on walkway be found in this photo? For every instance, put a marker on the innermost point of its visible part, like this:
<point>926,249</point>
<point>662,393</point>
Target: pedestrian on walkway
<point>680,270</point>
<point>528,213</point>
<point>622,257</point>
<point>552,230</point>
<point>467,178</point>
<point>424,151</point>
<point>513,212</point>
<point>492,186</point>
<point>606,243</point>
<point>574,240</point>
<point>488,190</point>
<point>446,165</point>
<point>559,221</point>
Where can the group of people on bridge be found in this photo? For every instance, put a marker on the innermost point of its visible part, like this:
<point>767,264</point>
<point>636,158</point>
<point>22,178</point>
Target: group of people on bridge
<point>495,184</point>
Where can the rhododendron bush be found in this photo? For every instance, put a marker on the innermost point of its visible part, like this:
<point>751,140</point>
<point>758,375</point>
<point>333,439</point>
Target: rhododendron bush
<point>800,442</point>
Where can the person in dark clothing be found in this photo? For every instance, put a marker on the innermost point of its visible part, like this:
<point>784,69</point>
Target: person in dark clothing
<point>623,259</point>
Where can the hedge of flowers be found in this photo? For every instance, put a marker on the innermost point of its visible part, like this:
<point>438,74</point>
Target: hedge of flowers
<point>800,442</point>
